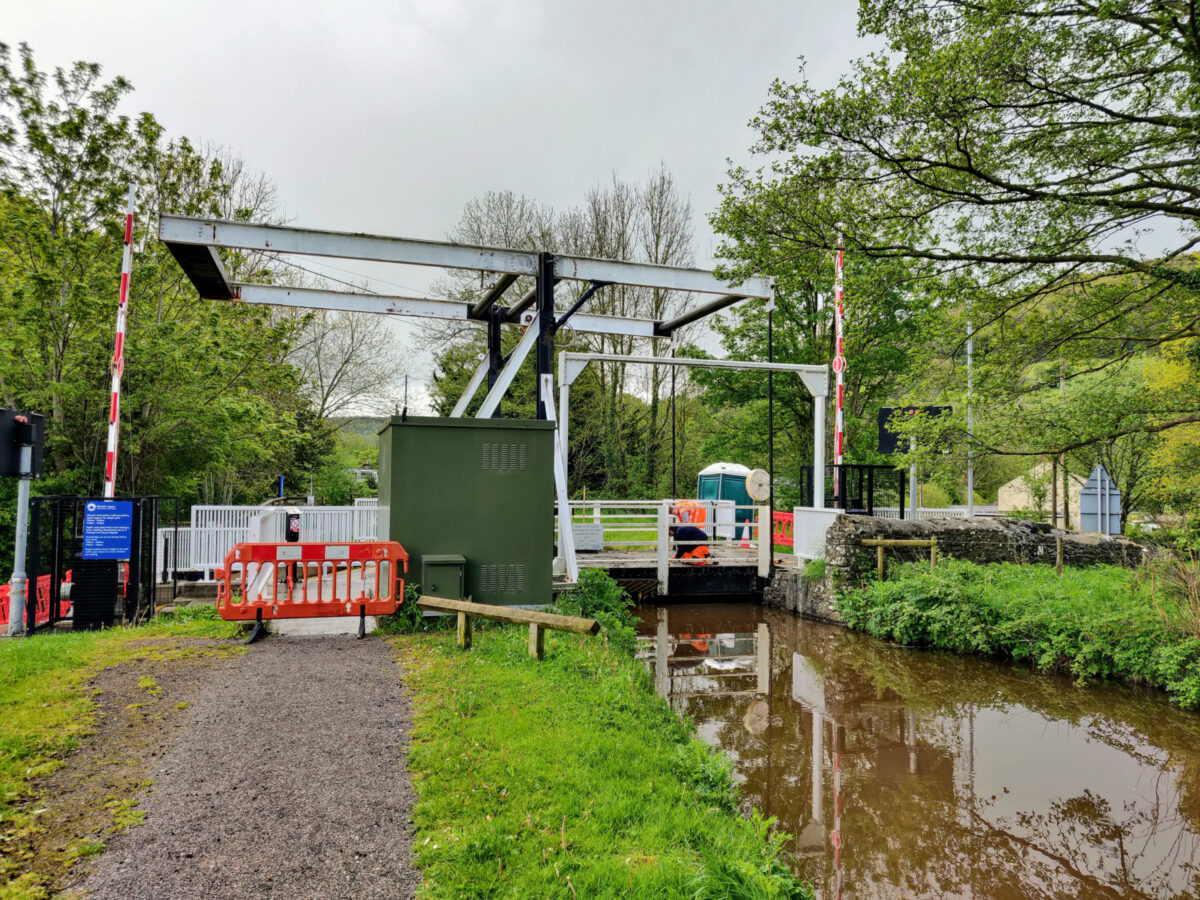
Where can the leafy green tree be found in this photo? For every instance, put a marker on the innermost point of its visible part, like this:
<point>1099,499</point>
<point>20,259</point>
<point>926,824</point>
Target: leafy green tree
<point>211,409</point>
<point>1018,154</point>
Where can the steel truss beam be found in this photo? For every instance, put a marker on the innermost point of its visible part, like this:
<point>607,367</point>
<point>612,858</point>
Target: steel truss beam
<point>696,281</point>
<point>184,230</point>
<point>310,242</point>
<point>667,329</point>
<point>344,301</point>
<point>420,307</point>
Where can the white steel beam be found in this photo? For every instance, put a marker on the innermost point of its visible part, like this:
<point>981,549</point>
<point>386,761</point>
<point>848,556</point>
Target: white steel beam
<point>508,373</point>
<point>421,307</point>
<point>566,536</point>
<point>813,376</point>
<point>316,298</point>
<point>581,268</point>
<point>480,373</point>
<point>599,324</point>
<point>345,245</point>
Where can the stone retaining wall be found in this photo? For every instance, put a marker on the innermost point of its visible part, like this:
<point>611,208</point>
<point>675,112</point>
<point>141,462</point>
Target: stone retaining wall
<point>978,540</point>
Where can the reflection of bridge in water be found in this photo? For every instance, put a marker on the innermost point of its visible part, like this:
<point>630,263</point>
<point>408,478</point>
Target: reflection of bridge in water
<point>900,773</point>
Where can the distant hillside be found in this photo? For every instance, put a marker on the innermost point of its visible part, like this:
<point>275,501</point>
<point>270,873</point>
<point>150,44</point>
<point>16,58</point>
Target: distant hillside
<point>366,427</point>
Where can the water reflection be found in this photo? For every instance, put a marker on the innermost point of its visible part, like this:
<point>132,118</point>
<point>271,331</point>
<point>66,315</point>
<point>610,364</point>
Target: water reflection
<point>902,773</point>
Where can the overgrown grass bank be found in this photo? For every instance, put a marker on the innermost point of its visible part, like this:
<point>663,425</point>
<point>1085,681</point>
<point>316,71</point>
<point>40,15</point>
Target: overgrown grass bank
<point>570,778</point>
<point>45,709</point>
<point>1101,622</point>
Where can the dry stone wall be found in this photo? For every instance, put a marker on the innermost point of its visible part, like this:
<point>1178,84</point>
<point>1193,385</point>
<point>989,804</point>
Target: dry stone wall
<point>979,540</point>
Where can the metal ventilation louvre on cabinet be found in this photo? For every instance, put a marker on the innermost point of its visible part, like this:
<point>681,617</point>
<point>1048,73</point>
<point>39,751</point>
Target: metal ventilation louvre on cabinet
<point>479,488</point>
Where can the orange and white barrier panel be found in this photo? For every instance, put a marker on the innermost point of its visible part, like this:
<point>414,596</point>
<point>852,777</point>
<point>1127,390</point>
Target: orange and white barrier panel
<point>300,581</point>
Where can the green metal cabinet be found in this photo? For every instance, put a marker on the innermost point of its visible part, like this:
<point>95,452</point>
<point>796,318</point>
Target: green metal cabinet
<point>482,489</point>
<point>444,575</point>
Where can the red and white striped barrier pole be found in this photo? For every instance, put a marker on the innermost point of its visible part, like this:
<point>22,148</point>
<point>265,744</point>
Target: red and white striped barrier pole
<point>118,360</point>
<point>839,363</point>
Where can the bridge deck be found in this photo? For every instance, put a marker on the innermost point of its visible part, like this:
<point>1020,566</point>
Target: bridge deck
<point>732,570</point>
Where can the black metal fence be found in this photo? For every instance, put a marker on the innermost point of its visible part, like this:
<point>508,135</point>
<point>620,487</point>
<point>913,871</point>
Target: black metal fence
<point>102,592</point>
<point>857,489</point>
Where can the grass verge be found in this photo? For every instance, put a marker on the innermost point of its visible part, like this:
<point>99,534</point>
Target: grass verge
<point>570,778</point>
<point>1101,622</point>
<point>46,709</point>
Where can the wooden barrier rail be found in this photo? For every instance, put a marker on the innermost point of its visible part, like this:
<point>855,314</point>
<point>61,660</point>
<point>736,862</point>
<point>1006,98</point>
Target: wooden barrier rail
<point>537,620</point>
<point>881,543</point>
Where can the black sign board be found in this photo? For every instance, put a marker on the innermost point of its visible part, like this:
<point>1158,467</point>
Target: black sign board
<point>889,441</point>
<point>17,430</point>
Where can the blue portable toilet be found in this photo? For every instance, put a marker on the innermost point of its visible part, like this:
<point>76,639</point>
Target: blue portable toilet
<point>726,481</point>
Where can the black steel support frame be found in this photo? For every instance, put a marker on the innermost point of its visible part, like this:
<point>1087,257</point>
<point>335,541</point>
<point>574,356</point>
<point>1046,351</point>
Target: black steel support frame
<point>545,325</point>
<point>495,348</point>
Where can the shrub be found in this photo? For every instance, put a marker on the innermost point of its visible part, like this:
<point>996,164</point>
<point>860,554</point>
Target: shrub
<point>1102,622</point>
<point>408,617</point>
<point>598,596</point>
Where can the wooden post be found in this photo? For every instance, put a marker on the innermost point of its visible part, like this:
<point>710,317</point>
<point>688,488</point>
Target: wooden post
<point>879,560</point>
<point>464,631</point>
<point>933,553</point>
<point>1058,554</point>
<point>537,640</point>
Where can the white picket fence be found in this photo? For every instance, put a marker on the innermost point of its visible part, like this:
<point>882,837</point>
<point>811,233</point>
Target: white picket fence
<point>173,552</point>
<point>215,529</point>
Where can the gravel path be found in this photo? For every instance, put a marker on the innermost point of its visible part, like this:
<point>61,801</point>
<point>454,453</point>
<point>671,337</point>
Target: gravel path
<point>288,780</point>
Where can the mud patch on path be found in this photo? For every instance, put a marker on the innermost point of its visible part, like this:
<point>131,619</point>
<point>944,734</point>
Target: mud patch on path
<point>139,707</point>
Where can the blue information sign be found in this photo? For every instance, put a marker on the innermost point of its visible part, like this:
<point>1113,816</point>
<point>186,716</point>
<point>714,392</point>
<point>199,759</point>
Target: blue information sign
<point>107,529</point>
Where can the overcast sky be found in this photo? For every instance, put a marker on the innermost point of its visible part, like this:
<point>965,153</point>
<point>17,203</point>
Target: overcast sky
<point>388,117</point>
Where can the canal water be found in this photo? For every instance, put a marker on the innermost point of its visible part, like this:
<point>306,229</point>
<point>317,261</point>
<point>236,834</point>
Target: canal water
<point>905,773</point>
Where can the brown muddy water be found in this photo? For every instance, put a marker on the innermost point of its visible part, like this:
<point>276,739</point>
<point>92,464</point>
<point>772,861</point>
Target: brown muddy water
<point>905,773</point>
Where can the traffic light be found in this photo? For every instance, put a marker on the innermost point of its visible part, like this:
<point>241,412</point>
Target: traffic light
<point>17,430</point>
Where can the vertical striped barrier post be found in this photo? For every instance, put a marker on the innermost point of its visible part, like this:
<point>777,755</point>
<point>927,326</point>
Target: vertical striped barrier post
<point>118,361</point>
<point>839,362</point>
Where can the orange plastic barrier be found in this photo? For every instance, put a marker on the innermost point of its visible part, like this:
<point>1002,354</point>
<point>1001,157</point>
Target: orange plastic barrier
<point>783,531</point>
<point>42,607</point>
<point>301,581</point>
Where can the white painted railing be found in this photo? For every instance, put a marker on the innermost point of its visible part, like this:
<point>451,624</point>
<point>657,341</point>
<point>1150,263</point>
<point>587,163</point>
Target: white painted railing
<point>950,512</point>
<point>613,527</point>
<point>215,529</point>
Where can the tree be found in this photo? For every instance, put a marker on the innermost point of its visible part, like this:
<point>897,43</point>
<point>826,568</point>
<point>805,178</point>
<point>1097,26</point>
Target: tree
<point>887,321</point>
<point>348,361</point>
<point>1017,154</point>
<point>647,222</point>
<point>211,409</point>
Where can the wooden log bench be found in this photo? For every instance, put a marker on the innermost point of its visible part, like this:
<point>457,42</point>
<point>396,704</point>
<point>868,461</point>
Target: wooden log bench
<point>537,621</point>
